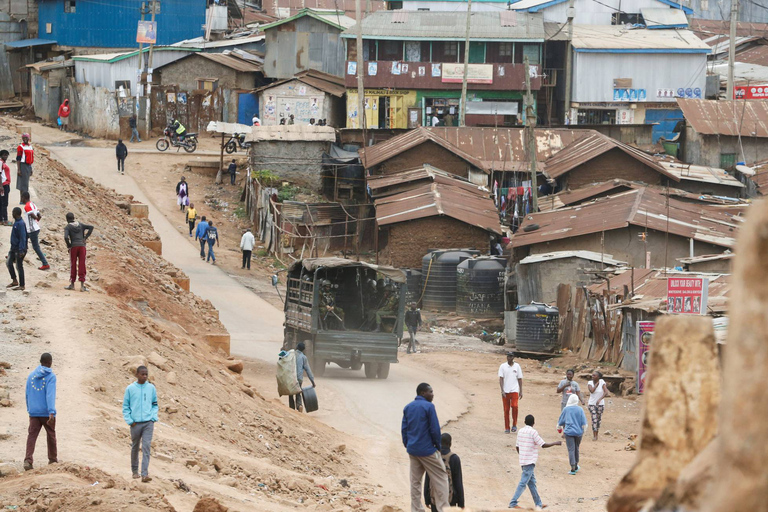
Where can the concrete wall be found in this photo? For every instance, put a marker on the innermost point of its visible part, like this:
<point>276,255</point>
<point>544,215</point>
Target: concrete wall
<point>625,245</point>
<point>299,162</point>
<point>94,110</point>
<point>707,149</point>
<point>716,266</point>
<point>615,164</point>
<point>297,98</point>
<point>185,73</point>
<point>539,281</point>
<point>405,244</point>
<point>426,153</point>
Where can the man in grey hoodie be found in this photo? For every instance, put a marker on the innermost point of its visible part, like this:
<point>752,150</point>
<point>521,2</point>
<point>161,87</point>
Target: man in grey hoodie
<point>75,235</point>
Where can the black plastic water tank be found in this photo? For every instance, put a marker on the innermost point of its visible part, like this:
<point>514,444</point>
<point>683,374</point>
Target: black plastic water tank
<point>537,328</point>
<point>438,270</point>
<point>413,278</point>
<point>480,287</point>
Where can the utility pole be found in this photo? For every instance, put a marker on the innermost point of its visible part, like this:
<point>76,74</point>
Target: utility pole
<point>139,71</point>
<point>732,47</point>
<point>148,116</point>
<point>568,60</point>
<point>360,89</point>
<point>463,102</point>
<point>530,124</point>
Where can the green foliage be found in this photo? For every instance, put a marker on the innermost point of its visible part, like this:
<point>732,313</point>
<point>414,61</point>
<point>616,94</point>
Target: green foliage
<point>266,177</point>
<point>287,193</point>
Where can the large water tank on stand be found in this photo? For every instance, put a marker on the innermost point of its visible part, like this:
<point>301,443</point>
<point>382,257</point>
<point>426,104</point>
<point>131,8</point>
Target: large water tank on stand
<point>537,328</point>
<point>480,287</point>
<point>438,270</point>
<point>413,279</point>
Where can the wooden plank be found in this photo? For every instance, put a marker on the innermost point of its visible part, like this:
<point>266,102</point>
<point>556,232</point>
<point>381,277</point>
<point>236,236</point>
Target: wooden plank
<point>581,312</point>
<point>566,314</point>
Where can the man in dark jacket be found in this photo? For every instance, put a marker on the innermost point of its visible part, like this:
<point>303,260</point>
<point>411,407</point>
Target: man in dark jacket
<point>75,235</point>
<point>232,172</point>
<point>18,250</point>
<point>412,322</point>
<point>121,151</point>
<point>421,437</point>
<point>455,480</point>
<point>134,129</point>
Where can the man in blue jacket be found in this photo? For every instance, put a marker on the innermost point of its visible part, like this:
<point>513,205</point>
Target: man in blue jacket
<point>202,234</point>
<point>140,412</point>
<point>41,407</point>
<point>18,250</point>
<point>421,438</point>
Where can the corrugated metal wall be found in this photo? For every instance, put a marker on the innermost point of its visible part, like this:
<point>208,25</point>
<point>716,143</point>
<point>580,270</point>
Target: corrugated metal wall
<point>304,44</point>
<point>105,74</point>
<point>594,74</point>
<point>195,109</point>
<point>751,11</point>
<point>113,23</point>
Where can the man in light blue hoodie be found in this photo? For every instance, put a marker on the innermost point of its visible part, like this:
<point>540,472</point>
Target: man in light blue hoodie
<point>140,413</point>
<point>41,407</point>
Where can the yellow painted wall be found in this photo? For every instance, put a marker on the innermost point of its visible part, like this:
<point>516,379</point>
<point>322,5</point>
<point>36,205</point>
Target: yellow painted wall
<point>400,101</point>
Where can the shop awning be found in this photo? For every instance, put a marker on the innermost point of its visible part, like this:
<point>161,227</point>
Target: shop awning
<point>28,43</point>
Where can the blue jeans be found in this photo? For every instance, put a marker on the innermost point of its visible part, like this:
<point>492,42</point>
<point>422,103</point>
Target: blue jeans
<point>135,134</point>
<point>211,256</point>
<point>202,247</point>
<point>34,237</point>
<point>526,479</point>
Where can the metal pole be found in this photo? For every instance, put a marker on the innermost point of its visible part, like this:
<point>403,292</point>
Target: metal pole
<point>360,89</point>
<point>568,61</point>
<point>463,102</point>
<point>147,116</point>
<point>530,124</point>
<point>732,47</point>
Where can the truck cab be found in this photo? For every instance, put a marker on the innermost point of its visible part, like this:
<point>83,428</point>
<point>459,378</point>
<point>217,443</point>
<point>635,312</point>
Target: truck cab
<point>346,312</point>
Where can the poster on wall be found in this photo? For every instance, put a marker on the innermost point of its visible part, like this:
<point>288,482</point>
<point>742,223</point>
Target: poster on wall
<point>373,68</point>
<point>644,339</point>
<point>351,67</point>
<point>422,71</point>
<point>147,32</point>
<point>687,295</point>
<point>436,70</point>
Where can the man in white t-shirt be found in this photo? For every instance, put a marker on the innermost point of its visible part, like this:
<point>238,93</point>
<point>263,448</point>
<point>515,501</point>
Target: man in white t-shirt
<point>511,384</point>
<point>32,216</point>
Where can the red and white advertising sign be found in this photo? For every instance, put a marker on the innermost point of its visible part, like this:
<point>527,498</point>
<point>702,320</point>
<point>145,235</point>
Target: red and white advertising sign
<point>752,92</point>
<point>687,295</point>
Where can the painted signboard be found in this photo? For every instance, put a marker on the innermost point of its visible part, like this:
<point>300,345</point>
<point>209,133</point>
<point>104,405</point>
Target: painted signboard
<point>476,73</point>
<point>644,338</point>
<point>147,32</point>
<point>752,92</point>
<point>687,295</point>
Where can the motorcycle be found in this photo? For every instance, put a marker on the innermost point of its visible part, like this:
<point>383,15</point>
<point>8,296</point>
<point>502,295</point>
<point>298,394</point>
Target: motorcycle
<point>169,138</point>
<point>235,141</point>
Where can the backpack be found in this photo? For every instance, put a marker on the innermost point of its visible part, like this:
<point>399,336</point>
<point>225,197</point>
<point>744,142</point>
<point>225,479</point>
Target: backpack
<point>446,460</point>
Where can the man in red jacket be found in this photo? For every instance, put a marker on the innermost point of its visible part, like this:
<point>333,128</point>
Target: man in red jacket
<point>5,186</point>
<point>25,157</point>
<point>64,112</point>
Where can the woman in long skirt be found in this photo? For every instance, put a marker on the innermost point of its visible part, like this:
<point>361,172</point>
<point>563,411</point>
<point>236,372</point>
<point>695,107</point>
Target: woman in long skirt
<point>182,193</point>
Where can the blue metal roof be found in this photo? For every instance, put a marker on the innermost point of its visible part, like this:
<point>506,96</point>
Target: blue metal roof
<point>26,43</point>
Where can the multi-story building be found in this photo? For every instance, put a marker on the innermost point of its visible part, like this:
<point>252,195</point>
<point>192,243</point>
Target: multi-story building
<point>413,67</point>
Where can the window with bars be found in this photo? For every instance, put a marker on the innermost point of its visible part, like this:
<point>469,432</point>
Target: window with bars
<point>506,49</point>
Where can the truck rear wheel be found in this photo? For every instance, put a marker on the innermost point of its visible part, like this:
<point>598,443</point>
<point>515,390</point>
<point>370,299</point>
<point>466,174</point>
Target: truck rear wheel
<point>371,369</point>
<point>356,366</point>
<point>318,367</point>
<point>383,370</point>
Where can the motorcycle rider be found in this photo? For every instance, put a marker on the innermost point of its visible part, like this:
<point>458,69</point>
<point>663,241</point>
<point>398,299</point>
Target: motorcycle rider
<point>179,130</point>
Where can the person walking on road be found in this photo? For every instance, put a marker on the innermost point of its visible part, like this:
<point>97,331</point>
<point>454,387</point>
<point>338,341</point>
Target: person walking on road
<point>75,236</point>
<point>201,234</point>
<point>247,242</point>
<point>212,235</point>
<point>18,251</point>
<point>140,413</point>
<point>25,157</point>
<point>511,384</point>
<point>232,172</point>
<point>134,129</point>
<point>191,218</point>
<point>527,446</point>
<point>412,322</point>
<point>422,440</point>
<point>569,387</point>
<point>598,391</point>
<point>41,408</point>
<point>574,421</point>
<point>121,152</point>
<point>302,365</point>
<point>64,112</point>
<point>32,216</point>
<point>5,186</point>
<point>182,193</point>
<point>452,464</point>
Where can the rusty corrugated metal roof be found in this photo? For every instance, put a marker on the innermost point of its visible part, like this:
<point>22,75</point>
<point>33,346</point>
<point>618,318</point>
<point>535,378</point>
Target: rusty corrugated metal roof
<point>489,149</point>
<point>571,197</point>
<point>379,185</point>
<point>701,173</point>
<point>232,62</point>
<point>748,118</point>
<point>435,199</point>
<point>592,146</point>
<point>645,207</point>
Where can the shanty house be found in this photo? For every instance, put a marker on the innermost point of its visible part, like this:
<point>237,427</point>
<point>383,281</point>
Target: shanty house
<point>309,95</point>
<point>212,71</point>
<point>643,227</point>
<point>724,133</point>
<point>421,209</point>
<point>310,39</point>
<point>413,68</point>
